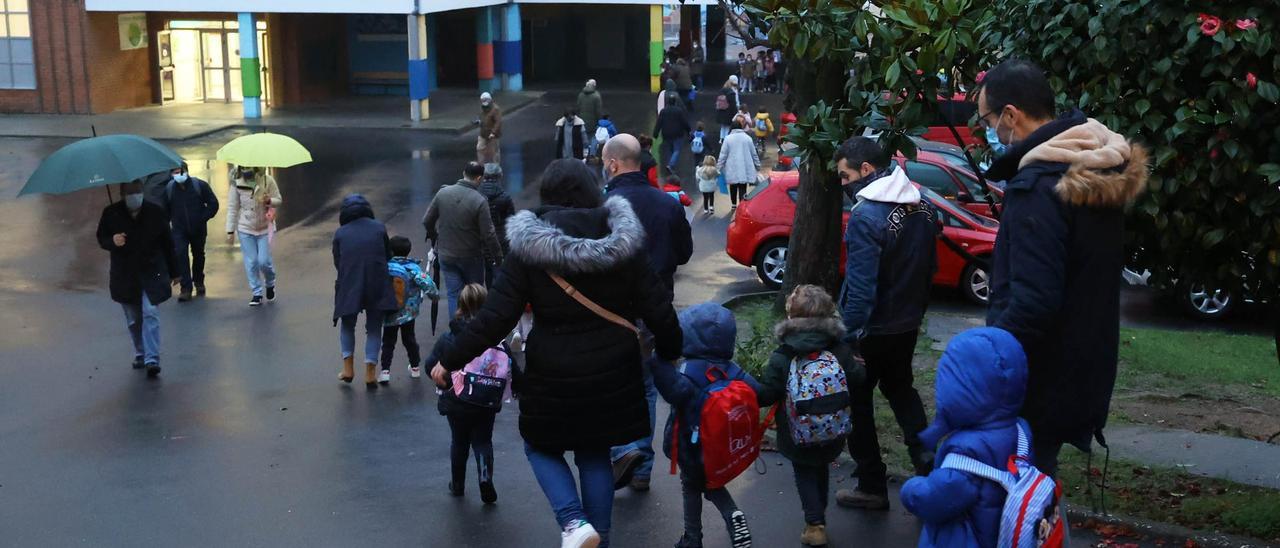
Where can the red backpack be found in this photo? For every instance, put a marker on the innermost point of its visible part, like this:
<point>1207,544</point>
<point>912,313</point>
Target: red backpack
<point>729,432</point>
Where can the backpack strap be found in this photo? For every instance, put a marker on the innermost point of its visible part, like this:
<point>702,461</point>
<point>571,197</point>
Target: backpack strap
<point>964,463</point>
<point>598,310</point>
<point>1024,443</point>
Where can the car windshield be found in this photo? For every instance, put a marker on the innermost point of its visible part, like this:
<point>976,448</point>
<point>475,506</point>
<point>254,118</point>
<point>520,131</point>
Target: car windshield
<point>961,212</point>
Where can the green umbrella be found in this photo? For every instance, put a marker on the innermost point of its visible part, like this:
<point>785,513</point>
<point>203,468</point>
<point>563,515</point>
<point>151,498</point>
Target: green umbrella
<point>100,161</point>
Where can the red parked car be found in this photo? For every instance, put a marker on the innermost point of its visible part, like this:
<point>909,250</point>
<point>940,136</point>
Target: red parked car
<point>761,228</point>
<point>940,173</point>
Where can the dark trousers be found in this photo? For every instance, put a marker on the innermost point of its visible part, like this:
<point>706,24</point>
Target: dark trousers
<point>693,495</point>
<point>708,200</point>
<point>405,332</point>
<point>190,270</point>
<point>472,432</point>
<point>736,192</point>
<point>888,360</point>
<point>1045,447</point>
<point>812,483</point>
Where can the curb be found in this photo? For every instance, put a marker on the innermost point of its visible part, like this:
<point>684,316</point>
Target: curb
<point>738,299</point>
<point>1173,535</point>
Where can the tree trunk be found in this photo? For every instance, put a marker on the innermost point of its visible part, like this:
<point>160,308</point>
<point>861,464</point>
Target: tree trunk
<point>813,254</point>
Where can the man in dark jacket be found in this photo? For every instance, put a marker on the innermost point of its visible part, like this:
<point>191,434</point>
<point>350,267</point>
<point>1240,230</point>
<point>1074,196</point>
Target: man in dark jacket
<point>360,253</point>
<point>458,223</point>
<point>1058,257</point>
<point>668,244</point>
<point>501,208</point>
<point>673,126</point>
<point>890,261</point>
<point>191,203</point>
<point>143,264</point>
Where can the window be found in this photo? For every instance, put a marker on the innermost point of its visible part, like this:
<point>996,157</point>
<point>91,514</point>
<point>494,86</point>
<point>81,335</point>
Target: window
<point>932,177</point>
<point>970,184</point>
<point>17,58</point>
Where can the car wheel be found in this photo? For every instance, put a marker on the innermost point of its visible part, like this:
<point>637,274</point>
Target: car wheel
<point>975,284</point>
<point>771,263</point>
<point>1207,304</point>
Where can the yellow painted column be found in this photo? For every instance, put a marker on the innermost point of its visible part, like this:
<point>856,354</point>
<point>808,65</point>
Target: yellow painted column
<point>655,48</point>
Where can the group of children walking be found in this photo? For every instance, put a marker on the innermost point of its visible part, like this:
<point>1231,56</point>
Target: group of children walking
<point>714,431</point>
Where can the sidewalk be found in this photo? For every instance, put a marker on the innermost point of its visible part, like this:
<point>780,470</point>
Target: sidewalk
<point>452,111</point>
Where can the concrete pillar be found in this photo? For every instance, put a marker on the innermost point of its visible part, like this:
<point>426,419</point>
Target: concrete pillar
<point>250,66</point>
<point>508,50</point>
<point>655,48</point>
<point>420,68</point>
<point>484,49</point>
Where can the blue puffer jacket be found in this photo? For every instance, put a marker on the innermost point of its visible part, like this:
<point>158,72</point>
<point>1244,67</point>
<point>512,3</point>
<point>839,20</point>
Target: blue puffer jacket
<point>709,335</point>
<point>891,256</point>
<point>982,378</point>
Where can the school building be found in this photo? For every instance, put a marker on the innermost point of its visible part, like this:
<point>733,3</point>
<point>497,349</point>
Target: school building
<point>96,56</point>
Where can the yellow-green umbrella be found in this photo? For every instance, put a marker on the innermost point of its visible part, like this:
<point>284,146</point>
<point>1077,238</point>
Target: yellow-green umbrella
<point>264,150</point>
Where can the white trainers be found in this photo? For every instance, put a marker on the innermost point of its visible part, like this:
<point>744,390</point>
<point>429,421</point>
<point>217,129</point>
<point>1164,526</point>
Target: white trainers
<point>579,534</point>
<point>384,377</point>
<point>415,372</point>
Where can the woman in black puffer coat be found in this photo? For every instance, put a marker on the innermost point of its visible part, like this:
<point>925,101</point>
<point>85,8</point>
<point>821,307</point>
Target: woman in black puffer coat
<point>582,389</point>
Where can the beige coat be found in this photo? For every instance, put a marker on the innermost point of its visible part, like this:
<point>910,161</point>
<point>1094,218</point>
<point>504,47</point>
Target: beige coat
<point>245,210</point>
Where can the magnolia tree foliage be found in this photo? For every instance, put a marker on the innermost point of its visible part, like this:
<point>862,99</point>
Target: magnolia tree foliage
<point>854,65</point>
<point>1199,89</point>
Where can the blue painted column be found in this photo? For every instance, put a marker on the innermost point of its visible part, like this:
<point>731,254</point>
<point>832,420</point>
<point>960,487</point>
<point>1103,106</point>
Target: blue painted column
<point>419,68</point>
<point>484,48</point>
<point>250,67</point>
<point>508,49</point>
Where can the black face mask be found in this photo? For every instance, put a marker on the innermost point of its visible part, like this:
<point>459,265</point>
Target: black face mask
<point>247,174</point>
<point>851,189</point>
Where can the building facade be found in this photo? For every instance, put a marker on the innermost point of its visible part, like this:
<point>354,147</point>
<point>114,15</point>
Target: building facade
<point>96,56</point>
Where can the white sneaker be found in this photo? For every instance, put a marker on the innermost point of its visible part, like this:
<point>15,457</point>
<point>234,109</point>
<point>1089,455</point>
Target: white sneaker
<point>384,377</point>
<point>415,372</point>
<point>579,535</point>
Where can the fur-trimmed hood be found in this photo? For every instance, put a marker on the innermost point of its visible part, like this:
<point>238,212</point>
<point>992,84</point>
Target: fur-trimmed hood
<point>809,334</point>
<point>577,241</point>
<point>1106,170</point>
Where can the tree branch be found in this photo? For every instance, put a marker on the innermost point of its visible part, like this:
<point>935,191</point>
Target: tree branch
<point>735,21</point>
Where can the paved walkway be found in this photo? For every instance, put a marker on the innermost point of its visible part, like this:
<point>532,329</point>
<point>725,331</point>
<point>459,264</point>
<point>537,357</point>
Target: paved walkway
<point>452,111</point>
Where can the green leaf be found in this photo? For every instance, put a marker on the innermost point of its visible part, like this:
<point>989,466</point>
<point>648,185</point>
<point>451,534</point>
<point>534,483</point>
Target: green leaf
<point>1232,148</point>
<point>891,75</point>
<point>1213,237</point>
<point>801,43</point>
<point>1095,26</point>
<point>1271,172</point>
<point>1142,106</point>
<point>1268,91</point>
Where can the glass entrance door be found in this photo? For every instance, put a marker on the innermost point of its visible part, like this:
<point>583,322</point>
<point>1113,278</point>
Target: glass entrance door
<point>214,65</point>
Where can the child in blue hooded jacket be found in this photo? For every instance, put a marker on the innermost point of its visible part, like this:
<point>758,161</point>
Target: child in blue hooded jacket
<point>709,335</point>
<point>982,379</point>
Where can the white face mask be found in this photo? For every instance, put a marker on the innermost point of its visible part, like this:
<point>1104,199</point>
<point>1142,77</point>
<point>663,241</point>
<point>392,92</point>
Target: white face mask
<point>133,201</point>
<point>180,178</point>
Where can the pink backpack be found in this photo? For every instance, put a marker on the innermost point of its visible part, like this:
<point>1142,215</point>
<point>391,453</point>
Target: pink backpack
<point>486,380</point>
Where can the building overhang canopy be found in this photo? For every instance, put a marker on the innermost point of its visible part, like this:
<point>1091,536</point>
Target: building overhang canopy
<point>341,6</point>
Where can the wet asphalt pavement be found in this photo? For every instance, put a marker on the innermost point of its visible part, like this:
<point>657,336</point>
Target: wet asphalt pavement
<point>247,438</point>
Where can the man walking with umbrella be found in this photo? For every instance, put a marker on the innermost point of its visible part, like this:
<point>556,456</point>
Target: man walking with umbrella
<point>143,265</point>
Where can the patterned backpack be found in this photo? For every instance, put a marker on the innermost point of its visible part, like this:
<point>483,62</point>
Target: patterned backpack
<point>486,380</point>
<point>1030,518</point>
<point>818,400</point>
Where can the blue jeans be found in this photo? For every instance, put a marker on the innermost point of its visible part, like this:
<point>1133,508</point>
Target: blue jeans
<point>257,262</point>
<point>143,321</point>
<point>671,151</point>
<point>643,445</point>
<point>190,267</point>
<point>595,472</point>
<point>372,335</point>
<point>458,273</point>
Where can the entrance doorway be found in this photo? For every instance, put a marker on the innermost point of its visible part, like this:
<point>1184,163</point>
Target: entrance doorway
<point>203,64</point>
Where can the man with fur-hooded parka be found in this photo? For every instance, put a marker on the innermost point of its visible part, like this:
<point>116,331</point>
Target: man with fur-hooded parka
<point>582,385</point>
<point>1056,271</point>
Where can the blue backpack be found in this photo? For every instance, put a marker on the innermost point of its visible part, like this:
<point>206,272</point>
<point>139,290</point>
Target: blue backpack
<point>1030,518</point>
<point>696,146</point>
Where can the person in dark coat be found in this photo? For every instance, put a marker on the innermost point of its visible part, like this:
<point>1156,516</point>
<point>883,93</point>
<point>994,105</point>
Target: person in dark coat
<point>191,204</point>
<point>727,106</point>
<point>673,126</point>
<point>582,388</point>
<point>571,136</point>
<point>1055,278</point>
<point>143,268</point>
<point>891,256</point>
<point>811,327</point>
<point>501,208</point>
<point>360,253</point>
<point>669,243</point>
